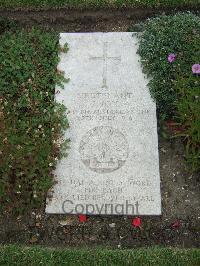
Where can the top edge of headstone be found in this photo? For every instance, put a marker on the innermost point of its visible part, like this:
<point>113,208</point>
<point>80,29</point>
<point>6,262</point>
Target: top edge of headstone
<point>98,32</point>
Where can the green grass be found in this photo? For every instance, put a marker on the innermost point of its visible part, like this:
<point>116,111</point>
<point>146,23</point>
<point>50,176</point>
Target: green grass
<point>96,3</point>
<point>23,256</point>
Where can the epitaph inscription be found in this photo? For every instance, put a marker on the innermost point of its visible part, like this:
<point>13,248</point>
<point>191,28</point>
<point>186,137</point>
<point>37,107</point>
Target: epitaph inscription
<point>112,167</point>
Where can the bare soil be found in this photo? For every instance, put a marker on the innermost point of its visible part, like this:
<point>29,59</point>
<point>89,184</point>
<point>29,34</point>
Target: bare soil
<point>66,20</point>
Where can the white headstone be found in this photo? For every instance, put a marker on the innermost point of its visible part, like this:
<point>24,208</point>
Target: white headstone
<point>113,164</point>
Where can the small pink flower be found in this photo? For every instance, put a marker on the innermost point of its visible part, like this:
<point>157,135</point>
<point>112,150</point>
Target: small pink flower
<point>196,69</point>
<point>171,58</point>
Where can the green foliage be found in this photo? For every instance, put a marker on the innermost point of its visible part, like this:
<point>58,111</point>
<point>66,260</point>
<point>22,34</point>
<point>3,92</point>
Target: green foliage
<point>188,115</point>
<point>96,3</point>
<point>30,121</point>
<point>173,85</point>
<point>164,35</point>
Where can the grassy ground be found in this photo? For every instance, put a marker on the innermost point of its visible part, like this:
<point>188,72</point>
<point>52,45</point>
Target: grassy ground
<point>13,255</point>
<point>96,3</point>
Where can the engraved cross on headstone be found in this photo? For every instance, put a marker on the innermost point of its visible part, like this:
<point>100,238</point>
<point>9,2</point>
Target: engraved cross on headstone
<point>104,58</point>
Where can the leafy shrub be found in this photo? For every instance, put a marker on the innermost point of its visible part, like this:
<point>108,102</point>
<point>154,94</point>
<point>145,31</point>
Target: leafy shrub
<point>164,35</point>
<point>30,121</point>
<point>172,83</point>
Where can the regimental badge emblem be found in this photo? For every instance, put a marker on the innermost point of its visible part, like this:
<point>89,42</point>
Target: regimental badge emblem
<point>104,149</point>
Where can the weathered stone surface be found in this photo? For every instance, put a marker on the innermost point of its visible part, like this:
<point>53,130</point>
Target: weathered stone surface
<point>113,159</point>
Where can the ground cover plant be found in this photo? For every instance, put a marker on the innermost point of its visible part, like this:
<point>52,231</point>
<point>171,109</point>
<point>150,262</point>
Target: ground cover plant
<point>13,255</point>
<point>170,54</point>
<point>97,3</point>
<point>30,121</point>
